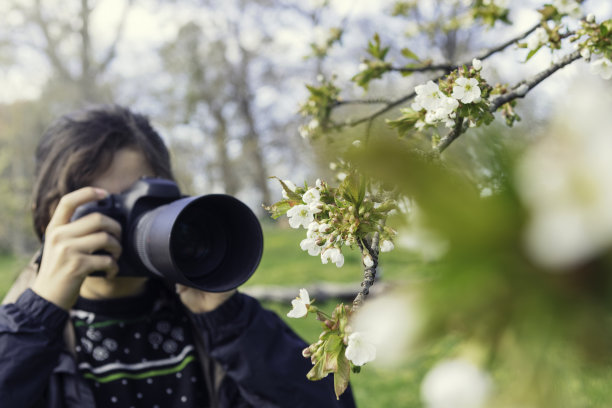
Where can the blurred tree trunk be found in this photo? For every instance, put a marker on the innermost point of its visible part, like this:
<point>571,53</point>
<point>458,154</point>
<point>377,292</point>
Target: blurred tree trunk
<point>252,145</point>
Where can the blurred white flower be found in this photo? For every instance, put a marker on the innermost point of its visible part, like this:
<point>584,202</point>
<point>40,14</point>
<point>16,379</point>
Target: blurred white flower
<point>377,319</point>
<point>565,182</point>
<point>455,383</point>
<point>420,238</point>
<point>498,3</point>
<point>412,29</point>
<point>300,215</point>
<point>477,64</point>
<point>334,255</point>
<point>300,305</point>
<point>570,7</point>
<point>368,261</point>
<point>539,37</point>
<point>466,90</point>
<point>290,186</point>
<point>386,246</point>
<point>310,245</point>
<point>359,350</point>
<point>602,67</point>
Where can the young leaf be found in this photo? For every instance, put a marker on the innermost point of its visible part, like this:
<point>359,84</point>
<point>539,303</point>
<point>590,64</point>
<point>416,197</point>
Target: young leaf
<point>406,52</point>
<point>342,375</point>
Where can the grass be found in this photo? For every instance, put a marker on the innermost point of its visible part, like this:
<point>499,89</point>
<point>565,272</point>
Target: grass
<point>284,263</point>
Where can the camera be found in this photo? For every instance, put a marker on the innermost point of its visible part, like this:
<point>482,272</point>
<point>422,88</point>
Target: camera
<point>212,242</point>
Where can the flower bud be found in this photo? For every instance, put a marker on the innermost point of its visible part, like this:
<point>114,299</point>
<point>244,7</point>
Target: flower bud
<point>306,352</point>
<point>590,18</point>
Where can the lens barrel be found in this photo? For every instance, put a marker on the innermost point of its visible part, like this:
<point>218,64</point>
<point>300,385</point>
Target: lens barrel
<point>212,242</point>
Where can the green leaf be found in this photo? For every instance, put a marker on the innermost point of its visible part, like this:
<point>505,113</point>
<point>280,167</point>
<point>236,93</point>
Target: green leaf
<point>342,375</point>
<point>532,53</point>
<point>290,193</point>
<point>278,209</point>
<point>406,52</point>
<point>349,189</point>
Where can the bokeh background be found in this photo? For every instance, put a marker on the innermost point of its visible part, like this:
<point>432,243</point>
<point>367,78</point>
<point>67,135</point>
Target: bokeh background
<point>223,81</point>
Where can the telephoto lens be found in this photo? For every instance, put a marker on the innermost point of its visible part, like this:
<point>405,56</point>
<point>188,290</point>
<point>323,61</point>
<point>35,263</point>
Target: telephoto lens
<point>213,242</point>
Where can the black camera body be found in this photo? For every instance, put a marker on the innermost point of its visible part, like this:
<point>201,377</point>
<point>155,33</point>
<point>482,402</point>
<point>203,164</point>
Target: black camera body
<point>212,242</point>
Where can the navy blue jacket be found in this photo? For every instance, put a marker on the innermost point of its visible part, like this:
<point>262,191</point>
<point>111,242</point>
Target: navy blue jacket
<point>251,356</point>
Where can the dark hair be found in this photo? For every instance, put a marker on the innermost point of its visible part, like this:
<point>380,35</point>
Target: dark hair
<point>80,146</point>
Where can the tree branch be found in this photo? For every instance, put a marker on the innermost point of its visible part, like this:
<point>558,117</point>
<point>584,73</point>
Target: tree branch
<point>518,91</point>
<point>522,88</point>
<point>450,137</point>
<point>369,273</point>
<point>446,67</point>
<point>112,50</point>
<point>52,45</point>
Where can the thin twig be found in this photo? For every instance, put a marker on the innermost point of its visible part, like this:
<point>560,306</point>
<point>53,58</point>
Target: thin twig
<point>521,89</point>
<point>369,272</point>
<point>451,136</point>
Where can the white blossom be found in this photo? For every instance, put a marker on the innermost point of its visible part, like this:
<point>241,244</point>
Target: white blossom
<point>427,96</point>
<point>466,90</point>
<point>324,228</point>
<point>539,37</point>
<point>368,261</point>
<point>290,186</point>
<point>570,7</point>
<point>334,255</point>
<point>386,246</point>
<point>300,305</point>
<point>477,64</point>
<point>312,197</point>
<point>585,53</point>
<point>310,245</point>
<point>300,215</point>
<point>590,18</point>
<point>455,383</point>
<point>602,67</point>
<point>359,350</point>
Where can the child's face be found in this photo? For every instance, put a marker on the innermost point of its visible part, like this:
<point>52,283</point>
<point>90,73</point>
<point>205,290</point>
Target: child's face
<point>127,167</point>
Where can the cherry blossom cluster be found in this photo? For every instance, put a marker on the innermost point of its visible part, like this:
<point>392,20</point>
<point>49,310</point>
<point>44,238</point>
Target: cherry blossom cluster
<point>334,218</point>
<point>596,48</point>
<point>337,345</point>
<point>439,105</point>
<point>461,94</point>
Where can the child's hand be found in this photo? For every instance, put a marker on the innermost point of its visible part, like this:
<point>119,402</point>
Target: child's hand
<point>68,255</point>
<point>199,301</point>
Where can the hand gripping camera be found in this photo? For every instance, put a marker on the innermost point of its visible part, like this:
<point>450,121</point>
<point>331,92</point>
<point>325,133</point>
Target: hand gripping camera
<point>212,242</point>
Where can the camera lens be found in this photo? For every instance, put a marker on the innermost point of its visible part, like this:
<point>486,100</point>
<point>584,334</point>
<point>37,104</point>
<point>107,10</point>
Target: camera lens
<point>190,243</point>
<point>211,242</point>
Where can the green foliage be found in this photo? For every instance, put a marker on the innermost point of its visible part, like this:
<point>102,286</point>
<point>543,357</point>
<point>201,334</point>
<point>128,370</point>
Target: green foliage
<point>490,13</point>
